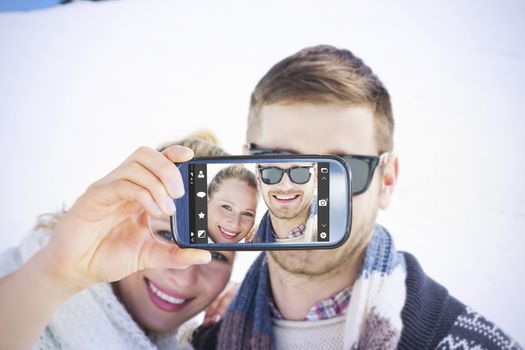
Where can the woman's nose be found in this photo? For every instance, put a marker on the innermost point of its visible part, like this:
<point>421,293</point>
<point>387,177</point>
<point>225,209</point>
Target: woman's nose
<point>184,278</point>
<point>235,221</point>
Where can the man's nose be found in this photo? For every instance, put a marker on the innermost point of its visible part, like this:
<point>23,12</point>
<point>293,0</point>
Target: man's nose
<point>285,184</point>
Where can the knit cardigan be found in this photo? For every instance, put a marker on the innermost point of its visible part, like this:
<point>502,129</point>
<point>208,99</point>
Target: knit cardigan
<point>93,318</point>
<point>432,319</point>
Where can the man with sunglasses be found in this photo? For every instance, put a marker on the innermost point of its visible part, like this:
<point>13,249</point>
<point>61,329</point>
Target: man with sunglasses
<point>288,191</point>
<point>364,294</point>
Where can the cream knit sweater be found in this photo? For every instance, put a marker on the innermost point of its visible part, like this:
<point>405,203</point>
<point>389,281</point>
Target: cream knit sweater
<point>324,334</point>
<point>91,319</point>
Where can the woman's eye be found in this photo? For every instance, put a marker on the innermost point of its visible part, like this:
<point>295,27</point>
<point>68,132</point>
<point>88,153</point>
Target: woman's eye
<point>219,257</point>
<point>165,235</point>
<point>227,207</point>
<point>247,213</point>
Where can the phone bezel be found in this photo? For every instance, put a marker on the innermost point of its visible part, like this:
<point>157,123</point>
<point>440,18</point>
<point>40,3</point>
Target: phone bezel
<point>181,219</point>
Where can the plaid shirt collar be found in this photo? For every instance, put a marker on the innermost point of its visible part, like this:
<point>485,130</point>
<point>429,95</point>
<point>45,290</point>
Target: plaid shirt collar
<point>296,232</point>
<point>331,307</point>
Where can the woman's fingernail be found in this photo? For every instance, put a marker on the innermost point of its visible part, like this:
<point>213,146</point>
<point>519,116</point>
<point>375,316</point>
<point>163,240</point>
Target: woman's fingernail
<point>203,257</point>
<point>177,188</point>
<point>170,205</point>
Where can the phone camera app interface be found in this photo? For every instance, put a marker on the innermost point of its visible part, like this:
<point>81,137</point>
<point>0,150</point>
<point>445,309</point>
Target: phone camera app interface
<point>259,202</point>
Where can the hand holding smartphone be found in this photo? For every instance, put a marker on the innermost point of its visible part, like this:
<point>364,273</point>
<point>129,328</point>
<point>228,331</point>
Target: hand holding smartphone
<point>264,203</point>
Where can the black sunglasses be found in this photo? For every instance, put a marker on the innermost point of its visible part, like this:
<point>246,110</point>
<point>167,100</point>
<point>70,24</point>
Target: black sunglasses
<point>362,167</point>
<point>273,175</point>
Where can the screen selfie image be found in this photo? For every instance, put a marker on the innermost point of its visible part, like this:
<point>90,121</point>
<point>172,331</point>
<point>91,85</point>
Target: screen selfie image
<point>259,203</point>
<point>262,175</point>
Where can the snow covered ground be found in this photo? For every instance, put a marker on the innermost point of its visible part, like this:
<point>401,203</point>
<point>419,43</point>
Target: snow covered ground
<point>83,85</point>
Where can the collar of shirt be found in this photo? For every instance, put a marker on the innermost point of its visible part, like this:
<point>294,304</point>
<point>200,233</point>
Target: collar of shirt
<point>296,232</point>
<point>325,309</point>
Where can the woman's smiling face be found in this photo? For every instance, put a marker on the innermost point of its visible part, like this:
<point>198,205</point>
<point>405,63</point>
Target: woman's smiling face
<point>160,300</point>
<point>231,211</point>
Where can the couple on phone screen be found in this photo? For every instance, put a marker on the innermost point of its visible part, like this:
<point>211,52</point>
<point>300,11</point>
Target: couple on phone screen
<point>288,191</point>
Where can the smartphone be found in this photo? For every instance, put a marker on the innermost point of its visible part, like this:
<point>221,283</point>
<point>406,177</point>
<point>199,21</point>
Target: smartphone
<point>266,202</point>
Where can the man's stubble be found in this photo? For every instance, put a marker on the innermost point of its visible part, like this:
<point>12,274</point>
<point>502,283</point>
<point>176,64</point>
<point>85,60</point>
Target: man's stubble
<point>324,264</point>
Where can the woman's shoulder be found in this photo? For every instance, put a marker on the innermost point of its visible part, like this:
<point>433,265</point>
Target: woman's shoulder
<point>14,257</point>
<point>179,338</point>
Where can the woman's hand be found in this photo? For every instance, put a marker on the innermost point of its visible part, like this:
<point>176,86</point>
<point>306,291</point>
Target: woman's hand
<point>217,309</point>
<point>251,235</point>
<point>105,236</point>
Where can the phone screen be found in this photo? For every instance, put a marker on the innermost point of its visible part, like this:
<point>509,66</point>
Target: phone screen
<point>260,202</point>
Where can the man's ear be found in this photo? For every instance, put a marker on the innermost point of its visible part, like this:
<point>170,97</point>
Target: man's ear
<point>245,149</point>
<point>388,180</point>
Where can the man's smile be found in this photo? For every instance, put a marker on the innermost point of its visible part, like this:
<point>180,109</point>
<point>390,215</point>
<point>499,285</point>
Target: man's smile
<point>286,198</point>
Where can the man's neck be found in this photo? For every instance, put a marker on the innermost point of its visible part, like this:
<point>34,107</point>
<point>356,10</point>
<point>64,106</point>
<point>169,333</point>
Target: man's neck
<point>282,227</point>
<point>295,294</point>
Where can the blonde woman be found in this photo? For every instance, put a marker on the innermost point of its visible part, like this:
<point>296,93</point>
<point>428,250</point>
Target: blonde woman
<point>102,274</point>
<point>232,204</point>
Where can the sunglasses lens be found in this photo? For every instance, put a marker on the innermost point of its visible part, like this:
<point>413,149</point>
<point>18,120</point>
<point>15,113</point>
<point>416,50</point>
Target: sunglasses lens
<point>271,176</point>
<point>360,171</point>
<point>300,175</point>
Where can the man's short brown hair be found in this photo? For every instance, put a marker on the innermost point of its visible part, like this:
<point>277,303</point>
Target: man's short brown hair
<point>324,74</point>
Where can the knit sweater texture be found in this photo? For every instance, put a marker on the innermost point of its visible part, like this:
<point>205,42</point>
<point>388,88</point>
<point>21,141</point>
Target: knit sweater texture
<point>323,334</point>
<point>91,319</point>
<point>432,319</point>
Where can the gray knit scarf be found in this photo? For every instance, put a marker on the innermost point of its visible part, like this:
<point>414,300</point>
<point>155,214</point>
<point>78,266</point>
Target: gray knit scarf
<point>373,317</point>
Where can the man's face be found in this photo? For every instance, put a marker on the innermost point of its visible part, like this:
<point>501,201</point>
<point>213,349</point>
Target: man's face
<point>286,199</point>
<point>325,129</point>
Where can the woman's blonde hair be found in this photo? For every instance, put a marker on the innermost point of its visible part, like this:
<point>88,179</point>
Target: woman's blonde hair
<point>203,143</point>
<point>235,171</point>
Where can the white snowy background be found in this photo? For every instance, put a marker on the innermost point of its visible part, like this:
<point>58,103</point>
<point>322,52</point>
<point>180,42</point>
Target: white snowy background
<point>83,85</point>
